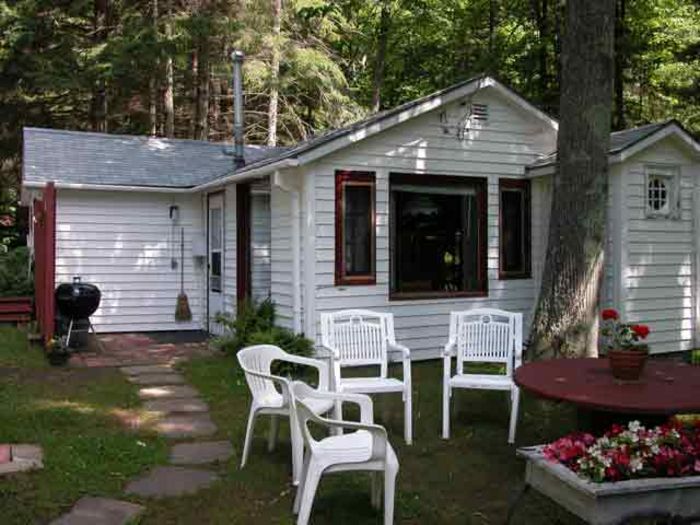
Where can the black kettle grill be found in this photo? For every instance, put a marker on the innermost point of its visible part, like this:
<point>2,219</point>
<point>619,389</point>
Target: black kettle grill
<point>77,301</point>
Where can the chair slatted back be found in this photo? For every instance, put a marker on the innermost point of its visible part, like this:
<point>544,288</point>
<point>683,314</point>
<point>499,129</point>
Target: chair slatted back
<point>359,336</point>
<point>486,335</point>
<point>259,359</point>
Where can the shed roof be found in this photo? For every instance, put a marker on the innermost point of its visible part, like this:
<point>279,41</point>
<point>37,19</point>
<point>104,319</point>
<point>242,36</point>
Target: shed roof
<point>619,140</point>
<point>79,157</point>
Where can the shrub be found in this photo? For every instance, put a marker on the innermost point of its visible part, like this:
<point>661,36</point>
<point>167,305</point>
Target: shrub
<point>15,275</point>
<point>255,325</point>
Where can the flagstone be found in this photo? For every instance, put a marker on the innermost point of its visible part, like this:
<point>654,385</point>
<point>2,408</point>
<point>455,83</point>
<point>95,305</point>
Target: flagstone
<point>185,426</point>
<point>163,482</point>
<point>157,379</point>
<point>100,511</point>
<point>201,453</point>
<point>167,392</point>
<point>178,405</point>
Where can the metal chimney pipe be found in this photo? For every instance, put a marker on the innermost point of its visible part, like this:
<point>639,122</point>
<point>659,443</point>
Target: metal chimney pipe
<point>238,156</point>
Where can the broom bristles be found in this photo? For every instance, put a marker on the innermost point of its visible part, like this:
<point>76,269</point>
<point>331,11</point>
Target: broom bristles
<point>182,310</point>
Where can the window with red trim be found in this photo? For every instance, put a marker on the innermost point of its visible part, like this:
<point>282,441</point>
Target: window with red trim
<point>354,228</point>
<point>514,224</point>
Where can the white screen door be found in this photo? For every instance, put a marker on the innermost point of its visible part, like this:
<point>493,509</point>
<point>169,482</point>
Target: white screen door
<point>215,278</point>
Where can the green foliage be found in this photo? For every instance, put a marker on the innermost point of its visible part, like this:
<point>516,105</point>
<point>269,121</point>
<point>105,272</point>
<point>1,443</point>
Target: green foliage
<point>255,325</point>
<point>15,273</point>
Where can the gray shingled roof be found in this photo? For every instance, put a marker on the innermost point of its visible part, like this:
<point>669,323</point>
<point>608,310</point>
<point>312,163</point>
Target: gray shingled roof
<point>619,141</point>
<point>99,158</point>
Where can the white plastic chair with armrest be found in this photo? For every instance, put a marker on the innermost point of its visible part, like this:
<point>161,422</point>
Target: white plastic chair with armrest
<point>366,448</point>
<point>272,396</point>
<point>483,335</point>
<point>360,338</point>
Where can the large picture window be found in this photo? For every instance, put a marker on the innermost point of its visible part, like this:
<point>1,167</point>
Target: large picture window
<point>354,228</point>
<point>438,236</point>
<point>514,229</point>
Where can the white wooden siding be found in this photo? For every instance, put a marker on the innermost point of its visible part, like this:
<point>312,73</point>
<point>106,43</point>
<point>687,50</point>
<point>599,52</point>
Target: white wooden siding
<point>281,255</point>
<point>541,191</point>
<point>123,243</point>
<point>658,281</point>
<point>427,144</point>
<point>229,280</point>
<point>260,235</point>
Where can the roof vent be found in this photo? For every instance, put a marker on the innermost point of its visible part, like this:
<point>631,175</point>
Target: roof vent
<point>479,112</point>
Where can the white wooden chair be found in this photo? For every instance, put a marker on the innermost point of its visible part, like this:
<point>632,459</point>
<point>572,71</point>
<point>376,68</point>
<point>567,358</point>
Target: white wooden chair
<point>483,335</point>
<point>272,396</point>
<point>360,338</point>
<point>365,449</point>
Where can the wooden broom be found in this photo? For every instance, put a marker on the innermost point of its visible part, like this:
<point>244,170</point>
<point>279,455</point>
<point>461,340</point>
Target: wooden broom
<point>182,310</point>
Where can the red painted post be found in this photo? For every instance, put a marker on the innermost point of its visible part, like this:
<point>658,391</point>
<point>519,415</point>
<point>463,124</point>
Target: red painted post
<point>38,239</point>
<point>45,260</point>
<point>50,256</point>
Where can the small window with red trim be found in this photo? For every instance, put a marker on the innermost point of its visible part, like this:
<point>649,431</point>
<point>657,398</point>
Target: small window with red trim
<point>354,228</point>
<point>514,229</point>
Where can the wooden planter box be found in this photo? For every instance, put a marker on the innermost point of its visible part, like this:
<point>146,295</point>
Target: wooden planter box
<point>608,503</point>
<point>15,309</point>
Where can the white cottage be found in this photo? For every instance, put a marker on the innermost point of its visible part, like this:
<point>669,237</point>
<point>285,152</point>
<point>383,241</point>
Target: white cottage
<point>440,204</point>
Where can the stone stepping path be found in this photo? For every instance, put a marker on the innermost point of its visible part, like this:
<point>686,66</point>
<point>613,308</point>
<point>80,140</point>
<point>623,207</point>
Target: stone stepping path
<point>100,511</point>
<point>179,413</point>
<point>201,453</point>
<point>163,482</point>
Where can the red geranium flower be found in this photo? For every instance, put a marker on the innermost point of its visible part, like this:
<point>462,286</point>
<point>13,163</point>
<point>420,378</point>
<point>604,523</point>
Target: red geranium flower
<point>610,313</point>
<point>640,330</point>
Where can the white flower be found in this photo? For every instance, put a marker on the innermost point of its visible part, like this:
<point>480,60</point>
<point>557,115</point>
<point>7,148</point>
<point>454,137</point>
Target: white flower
<point>634,426</point>
<point>635,464</point>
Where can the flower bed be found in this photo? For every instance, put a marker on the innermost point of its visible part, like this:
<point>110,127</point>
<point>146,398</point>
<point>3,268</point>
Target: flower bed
<point>670,450</point>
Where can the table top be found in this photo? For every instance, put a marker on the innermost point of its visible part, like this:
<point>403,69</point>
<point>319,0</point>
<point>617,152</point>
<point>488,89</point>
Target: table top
<point>666,387</point>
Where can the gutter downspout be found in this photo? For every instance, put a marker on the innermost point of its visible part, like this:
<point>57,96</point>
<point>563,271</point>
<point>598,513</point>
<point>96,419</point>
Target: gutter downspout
<point>295,195</point>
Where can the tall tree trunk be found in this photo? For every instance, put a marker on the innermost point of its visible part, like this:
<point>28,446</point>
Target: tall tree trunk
<point>380,58</point>
<point>272,110</point>
<point>215,109</point>
<point>565,319</point>
<point>152,85</point>
<point>620,60</point>
<point>540,10</point>
<point>492,31</point>
<point>168,105</point>
<point>201,127</point>
<point>98,109</point>
<point>192,94</point>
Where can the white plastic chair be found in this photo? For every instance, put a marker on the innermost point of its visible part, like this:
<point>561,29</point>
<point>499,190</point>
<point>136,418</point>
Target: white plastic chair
<point>360,338</point>
<point>272,396</point>
<point>483,335</point>
<point>367,448</point>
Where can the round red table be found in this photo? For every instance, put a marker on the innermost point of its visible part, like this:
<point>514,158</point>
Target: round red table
<point>665,388</point>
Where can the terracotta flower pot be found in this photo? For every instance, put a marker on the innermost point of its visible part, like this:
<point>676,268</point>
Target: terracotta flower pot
<point>627,364</point>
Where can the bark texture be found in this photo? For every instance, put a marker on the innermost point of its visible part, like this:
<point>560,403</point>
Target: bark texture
<point>168,105</point>
<point>98,107</point>
<point>201,127</point>
<point>272,111</point>
<point>152,84</point>
<point>565,318</point>
<point>380,58</point>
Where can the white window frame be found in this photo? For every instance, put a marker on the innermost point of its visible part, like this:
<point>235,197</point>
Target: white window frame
<point>671,176</point>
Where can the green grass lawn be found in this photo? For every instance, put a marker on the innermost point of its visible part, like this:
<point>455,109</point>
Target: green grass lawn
<point>74,415</point>
<point>469,479</point>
